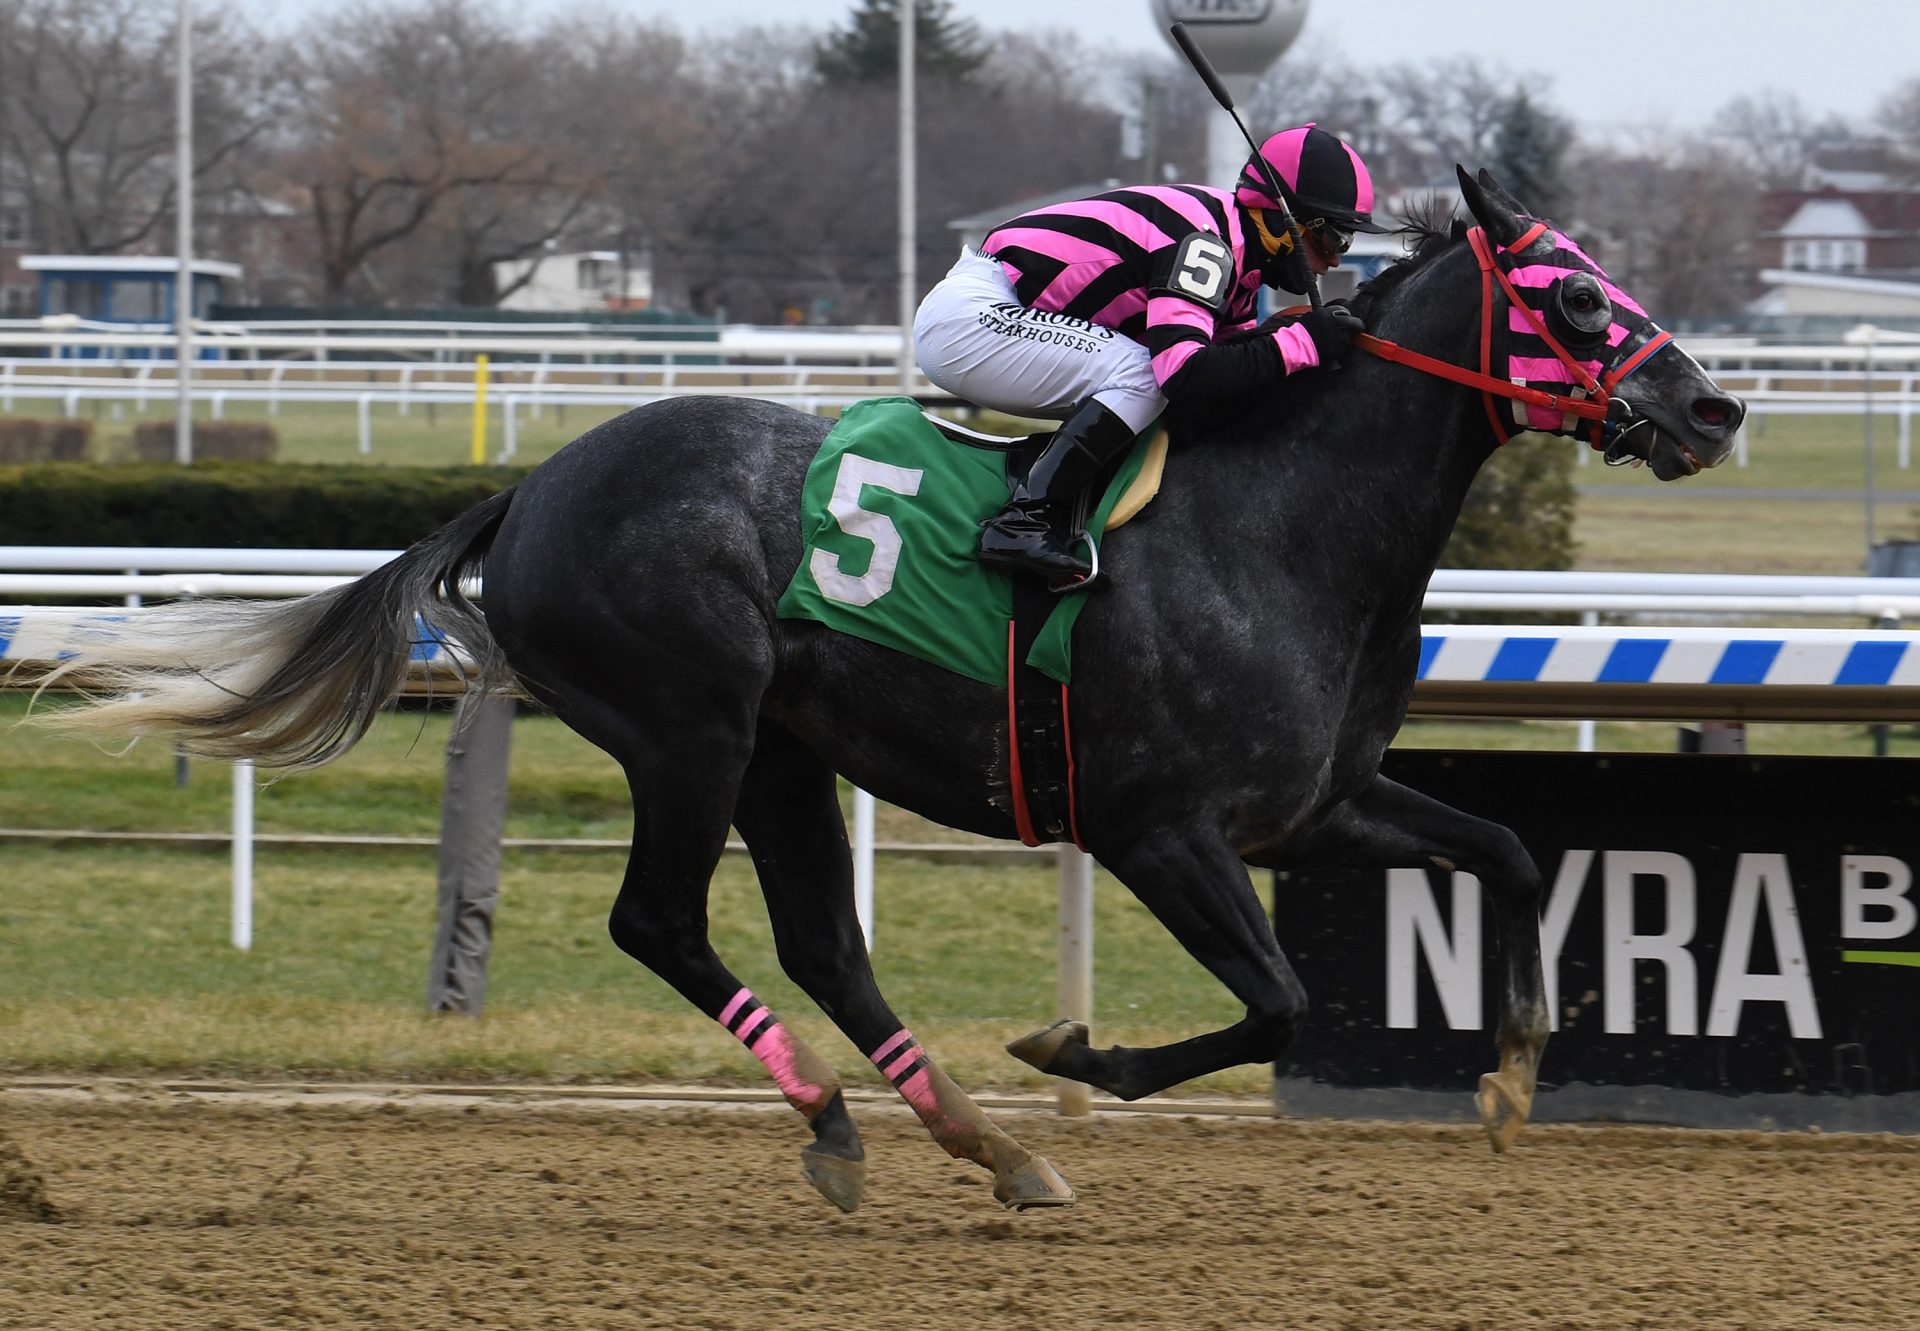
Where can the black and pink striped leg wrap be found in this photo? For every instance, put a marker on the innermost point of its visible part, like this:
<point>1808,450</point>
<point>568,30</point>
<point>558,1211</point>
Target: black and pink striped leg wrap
<point>905,1064</point>
<point>753,1025</point>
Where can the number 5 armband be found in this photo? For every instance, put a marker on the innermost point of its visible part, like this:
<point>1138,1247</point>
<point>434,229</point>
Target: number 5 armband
<point>1202,272</point>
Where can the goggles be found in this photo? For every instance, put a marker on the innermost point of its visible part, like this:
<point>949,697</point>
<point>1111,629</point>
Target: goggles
<point>1329,239</point>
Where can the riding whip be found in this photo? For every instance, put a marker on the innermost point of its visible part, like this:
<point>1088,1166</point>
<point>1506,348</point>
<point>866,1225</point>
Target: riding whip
<point>1204,68</point>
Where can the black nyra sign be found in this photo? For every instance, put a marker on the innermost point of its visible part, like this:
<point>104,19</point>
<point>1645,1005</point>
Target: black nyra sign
<point>1708,923</point>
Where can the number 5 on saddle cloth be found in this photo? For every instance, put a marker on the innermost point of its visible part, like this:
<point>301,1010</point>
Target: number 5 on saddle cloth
<point>890,513</point>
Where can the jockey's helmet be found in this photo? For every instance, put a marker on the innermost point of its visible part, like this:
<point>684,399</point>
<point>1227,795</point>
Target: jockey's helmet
<point>1322,177</point>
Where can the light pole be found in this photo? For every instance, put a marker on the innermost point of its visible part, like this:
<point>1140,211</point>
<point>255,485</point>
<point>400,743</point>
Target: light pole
<point>908,213</point>
<point>183,236</point>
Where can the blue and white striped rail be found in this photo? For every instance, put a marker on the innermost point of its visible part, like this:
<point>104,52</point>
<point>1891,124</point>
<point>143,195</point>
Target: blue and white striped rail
<point>33,633</point>
<point>1654,673</point>
<point>1471,670</point>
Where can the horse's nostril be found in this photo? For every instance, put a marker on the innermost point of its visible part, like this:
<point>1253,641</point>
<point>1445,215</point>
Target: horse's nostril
<point>1716,413</point>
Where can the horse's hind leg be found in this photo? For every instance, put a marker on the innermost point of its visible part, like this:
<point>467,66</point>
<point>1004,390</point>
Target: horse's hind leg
<point>683,796</point>
<point>789,815</point>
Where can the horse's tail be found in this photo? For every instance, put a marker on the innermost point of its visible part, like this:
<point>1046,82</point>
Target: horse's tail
<point>287,683</point>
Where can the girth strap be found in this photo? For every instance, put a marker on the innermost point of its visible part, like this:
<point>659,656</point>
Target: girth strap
<point>1039,729</point>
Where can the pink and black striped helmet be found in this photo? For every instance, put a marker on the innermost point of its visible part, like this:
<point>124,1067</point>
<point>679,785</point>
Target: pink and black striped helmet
<point>1321,175</point>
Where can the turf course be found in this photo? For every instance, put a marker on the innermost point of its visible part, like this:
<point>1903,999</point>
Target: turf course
<point>114,957</point>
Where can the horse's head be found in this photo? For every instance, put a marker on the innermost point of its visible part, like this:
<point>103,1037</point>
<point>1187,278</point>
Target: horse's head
<point>1569,330</point>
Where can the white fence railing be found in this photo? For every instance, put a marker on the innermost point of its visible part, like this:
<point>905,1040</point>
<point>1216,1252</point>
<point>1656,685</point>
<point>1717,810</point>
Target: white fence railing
<point>1571,664</point>
<point>595,366</point>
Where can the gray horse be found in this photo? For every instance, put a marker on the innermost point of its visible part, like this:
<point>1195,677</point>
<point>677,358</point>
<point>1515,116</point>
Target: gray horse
<point>1234,690</point>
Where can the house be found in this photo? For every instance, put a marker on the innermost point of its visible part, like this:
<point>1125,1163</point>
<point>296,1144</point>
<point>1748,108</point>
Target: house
<point>1843,246</point>
<point>18,296</point>
<point>595,280</point>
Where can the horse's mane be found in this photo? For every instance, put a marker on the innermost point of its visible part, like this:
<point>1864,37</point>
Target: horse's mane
<point>1432,227</point>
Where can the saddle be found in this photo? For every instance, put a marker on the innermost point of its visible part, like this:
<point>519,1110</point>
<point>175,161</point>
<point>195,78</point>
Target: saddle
<point>1021,450</point>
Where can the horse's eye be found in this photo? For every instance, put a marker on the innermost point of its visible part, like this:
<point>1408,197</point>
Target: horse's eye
<point>1581,308</point>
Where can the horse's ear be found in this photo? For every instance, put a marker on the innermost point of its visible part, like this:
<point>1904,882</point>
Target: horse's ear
<point>1499,195</point>
<point>1492,207</point>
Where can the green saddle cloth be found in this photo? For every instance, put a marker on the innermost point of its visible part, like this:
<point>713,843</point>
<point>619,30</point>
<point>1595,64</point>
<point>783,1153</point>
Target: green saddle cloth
<point>891,514</point>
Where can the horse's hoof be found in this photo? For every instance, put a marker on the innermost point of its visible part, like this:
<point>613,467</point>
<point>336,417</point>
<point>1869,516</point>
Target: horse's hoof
<point>838,1179</point>
<point>1042,1047</point>
<point>1034,1183</point>
<point>1503,1109</point>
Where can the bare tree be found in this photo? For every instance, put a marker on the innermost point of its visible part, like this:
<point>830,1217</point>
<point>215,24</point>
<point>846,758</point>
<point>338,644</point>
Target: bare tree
<point>663,125</point>
<point>1445,112</point>
<point>1676,227</point>
<point>417,116</point>
<point>1898,117</point>
<point>804,217</point>
<point>87,121</point>
<point>1774,135</point>
<point>1316,83</point>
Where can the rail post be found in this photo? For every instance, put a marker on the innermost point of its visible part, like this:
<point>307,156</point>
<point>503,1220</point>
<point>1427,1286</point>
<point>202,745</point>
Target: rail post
<point>1076,960</point>
<point>243,855</point>
<point>480,410</point>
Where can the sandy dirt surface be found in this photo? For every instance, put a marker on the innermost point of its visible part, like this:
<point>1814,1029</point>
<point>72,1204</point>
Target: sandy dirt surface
<point>149,1209</point>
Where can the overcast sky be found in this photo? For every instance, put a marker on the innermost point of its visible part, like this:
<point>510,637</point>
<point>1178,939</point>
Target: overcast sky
<point>1605,62</point>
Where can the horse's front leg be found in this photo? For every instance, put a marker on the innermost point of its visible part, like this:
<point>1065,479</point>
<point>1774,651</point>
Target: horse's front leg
<point>1389,826</point>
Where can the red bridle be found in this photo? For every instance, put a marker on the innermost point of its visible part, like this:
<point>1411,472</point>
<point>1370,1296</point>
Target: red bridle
<point>1592,401</point>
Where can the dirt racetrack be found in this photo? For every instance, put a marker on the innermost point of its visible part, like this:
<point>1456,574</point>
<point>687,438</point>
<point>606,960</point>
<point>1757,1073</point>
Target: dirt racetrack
<point>176,1212</point>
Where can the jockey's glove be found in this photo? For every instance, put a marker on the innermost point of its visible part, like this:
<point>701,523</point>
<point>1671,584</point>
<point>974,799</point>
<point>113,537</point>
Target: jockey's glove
<point>1332,328</point>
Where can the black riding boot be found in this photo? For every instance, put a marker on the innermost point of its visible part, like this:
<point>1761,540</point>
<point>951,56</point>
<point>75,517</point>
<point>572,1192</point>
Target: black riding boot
<point>1034,532</point>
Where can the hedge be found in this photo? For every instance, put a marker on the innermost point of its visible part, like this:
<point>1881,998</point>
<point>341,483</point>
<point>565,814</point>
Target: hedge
<point>34,439</point>
<point>213,441</point>
<point>1519,513</point>
<point>239,505</point>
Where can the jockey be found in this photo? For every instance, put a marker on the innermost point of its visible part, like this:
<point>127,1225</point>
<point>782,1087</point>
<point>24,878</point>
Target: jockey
<point>1103,309</point>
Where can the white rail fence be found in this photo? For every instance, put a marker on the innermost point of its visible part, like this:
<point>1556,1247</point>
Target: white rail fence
<point>129,574</point>
<point>588,366</point>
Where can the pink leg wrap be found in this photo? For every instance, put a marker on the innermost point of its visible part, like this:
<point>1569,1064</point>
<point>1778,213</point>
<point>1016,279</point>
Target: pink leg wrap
<point>767,1040</point>
<point>905,1065</point>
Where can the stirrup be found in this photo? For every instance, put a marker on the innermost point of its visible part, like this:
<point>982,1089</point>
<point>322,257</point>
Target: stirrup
<point>1093,577</point>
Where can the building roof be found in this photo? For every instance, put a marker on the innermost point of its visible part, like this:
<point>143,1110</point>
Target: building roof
<point>1823,217</point>
<point>992,217</point>
<point>151,264</point>
<point>1886,211</point>
<point>1866,286</point>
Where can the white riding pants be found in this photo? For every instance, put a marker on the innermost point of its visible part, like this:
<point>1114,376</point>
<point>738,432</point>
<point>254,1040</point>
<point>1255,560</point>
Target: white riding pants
<point>976,340</point>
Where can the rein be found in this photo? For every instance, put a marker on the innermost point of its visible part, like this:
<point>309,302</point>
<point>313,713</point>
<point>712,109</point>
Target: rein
<point>1593,401</point>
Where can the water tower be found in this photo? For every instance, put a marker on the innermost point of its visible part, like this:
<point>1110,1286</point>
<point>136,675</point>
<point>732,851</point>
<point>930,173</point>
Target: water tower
<point>1242,38</point>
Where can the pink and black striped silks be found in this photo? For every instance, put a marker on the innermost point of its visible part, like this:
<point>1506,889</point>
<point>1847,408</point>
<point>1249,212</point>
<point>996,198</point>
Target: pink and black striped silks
<point>1109,260</point>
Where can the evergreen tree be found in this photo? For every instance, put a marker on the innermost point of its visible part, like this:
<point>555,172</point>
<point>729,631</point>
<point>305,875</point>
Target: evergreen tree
<point>868,50</point>
<point>1520,511</point>
<point>1529,147</point>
